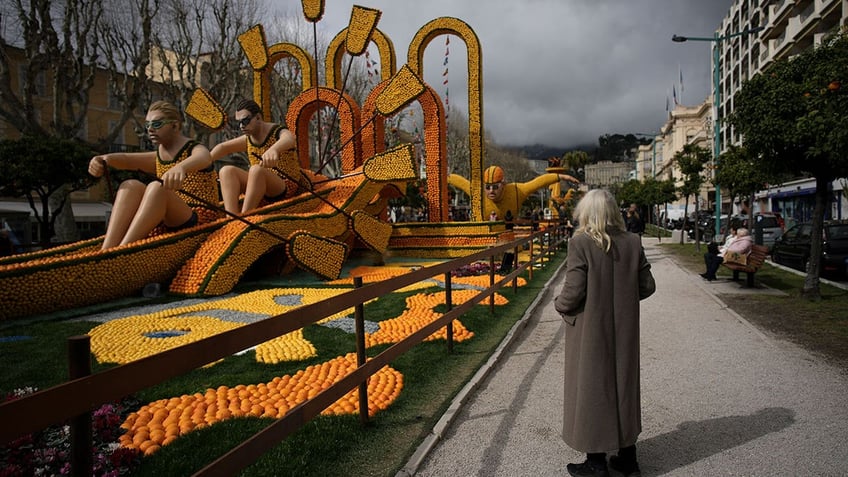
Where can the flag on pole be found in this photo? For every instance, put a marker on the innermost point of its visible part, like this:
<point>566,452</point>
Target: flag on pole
<point>674,94</point>
<point>666,100</point>
<point>681,78</point>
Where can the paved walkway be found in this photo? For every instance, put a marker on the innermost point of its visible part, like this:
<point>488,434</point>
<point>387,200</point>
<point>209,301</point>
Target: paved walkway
<point>719,397</point>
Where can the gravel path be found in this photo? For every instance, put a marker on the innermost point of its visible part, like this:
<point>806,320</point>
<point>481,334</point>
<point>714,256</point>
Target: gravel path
<point>719,397</point>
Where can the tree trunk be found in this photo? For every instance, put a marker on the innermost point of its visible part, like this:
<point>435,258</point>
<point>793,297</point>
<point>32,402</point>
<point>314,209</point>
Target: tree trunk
<point>811,289</point>
<point>64,226</point>
<point>697,219</point>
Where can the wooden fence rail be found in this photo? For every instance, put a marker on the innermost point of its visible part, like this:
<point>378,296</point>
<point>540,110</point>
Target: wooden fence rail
<point>74,400</point>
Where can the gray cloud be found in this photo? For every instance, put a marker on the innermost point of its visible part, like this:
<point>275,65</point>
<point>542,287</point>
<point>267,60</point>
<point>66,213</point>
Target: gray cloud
<point>561,72</point>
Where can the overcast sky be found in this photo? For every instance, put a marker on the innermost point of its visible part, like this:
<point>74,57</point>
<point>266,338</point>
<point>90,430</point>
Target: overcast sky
<point>560,72</point>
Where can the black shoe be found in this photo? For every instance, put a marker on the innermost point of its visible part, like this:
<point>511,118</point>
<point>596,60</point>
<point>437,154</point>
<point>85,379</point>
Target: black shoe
<point>588,469</point>
<point>704,276</point>
<point>628,468</point>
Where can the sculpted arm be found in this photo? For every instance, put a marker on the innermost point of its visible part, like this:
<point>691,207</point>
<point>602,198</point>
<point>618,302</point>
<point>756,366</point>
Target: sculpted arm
<point>460,183</point>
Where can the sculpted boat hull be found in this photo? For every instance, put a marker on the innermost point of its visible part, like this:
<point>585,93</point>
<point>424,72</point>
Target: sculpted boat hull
<point>208,259</point>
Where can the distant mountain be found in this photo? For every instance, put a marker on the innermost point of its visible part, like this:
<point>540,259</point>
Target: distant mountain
<point>540,152</point>
<point>610,147</point>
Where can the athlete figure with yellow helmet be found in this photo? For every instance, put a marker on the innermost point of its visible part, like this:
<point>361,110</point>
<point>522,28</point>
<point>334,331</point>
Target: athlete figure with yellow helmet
<point>502,197</point>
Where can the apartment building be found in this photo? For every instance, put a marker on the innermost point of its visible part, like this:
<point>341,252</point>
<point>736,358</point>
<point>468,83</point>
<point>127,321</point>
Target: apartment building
<point>790,27</point>
<point>607,173</point>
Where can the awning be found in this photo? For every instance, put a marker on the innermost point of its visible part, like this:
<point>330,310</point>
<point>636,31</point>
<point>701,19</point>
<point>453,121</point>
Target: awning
<point>792,193</point>
<point>83,211</point>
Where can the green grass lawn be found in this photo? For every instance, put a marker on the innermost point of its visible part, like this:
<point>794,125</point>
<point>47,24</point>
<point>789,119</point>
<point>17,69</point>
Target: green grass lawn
<point>327,446</point>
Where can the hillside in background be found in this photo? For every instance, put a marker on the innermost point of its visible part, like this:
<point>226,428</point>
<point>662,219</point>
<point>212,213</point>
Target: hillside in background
<point>541,152</point>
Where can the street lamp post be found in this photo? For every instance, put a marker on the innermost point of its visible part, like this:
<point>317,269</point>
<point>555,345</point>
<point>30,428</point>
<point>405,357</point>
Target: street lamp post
<point>716,41</point>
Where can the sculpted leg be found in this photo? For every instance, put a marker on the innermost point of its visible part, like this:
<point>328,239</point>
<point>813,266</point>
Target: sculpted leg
<point>261,182</point>
<point>127,201</point>
<point>233,183</point>
<point>157,205</point>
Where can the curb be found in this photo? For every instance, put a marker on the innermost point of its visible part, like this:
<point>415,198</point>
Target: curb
<point>450,415</point>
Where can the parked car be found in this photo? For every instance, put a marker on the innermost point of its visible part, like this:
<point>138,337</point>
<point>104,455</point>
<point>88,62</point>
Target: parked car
<point>793,248</point>
<point>705,224</point>
<point>771,223</point>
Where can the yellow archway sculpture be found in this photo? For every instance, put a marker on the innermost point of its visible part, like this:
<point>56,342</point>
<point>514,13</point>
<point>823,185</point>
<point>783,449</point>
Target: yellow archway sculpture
<point>388,60</point>
<point>263,58</point>
<point>415,56</point>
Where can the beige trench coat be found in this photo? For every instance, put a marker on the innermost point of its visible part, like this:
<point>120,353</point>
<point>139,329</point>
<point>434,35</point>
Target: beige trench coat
<point>600,305</point>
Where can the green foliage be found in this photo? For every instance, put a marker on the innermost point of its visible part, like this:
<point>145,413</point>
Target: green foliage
<point>617,147</point>
<point>629,192</point>
<point>793,116</point>
<point>575,162</point>
<point>738,173</point>
<point>40,166</point>
<point>414,196</point>
<point>692,160</point>
<point>646,194</point>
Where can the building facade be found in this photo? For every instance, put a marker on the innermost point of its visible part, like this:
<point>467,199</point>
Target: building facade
<point>790,27</point>
<point>607,173</point>
<point>685,125</point>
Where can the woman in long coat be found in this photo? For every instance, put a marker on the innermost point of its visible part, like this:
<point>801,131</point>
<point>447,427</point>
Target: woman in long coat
<point>606,276</point>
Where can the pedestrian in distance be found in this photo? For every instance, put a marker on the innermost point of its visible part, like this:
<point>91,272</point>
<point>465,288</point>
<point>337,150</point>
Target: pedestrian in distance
<point>178,162</point>
<point>634,221</point>
<point>265,144</point>
<point>606,276</point>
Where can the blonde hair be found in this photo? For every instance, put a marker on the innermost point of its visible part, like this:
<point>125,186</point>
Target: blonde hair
<point>741,232</point>
<point>168,110</point>
<point>598,216</point>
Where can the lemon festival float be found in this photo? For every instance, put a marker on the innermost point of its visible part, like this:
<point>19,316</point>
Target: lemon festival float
<point>319,223</point>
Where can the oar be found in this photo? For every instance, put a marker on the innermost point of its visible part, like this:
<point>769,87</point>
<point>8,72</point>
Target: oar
<point>108,179</point>
<point>362,23</point>
<point>396,163</point>
<point>330,245</point>
<point>403,88</point>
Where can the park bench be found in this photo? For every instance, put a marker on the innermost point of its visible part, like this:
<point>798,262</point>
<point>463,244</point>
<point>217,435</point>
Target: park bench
<point>756,258</point>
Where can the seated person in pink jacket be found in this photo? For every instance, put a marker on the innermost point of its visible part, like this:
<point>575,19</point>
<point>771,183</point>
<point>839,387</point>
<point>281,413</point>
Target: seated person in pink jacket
<point>735,250</point>
<point>743,243</point>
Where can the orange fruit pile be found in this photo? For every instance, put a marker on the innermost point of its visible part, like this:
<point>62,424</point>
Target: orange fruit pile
<point>160,422</point>
<point>420,312</point>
